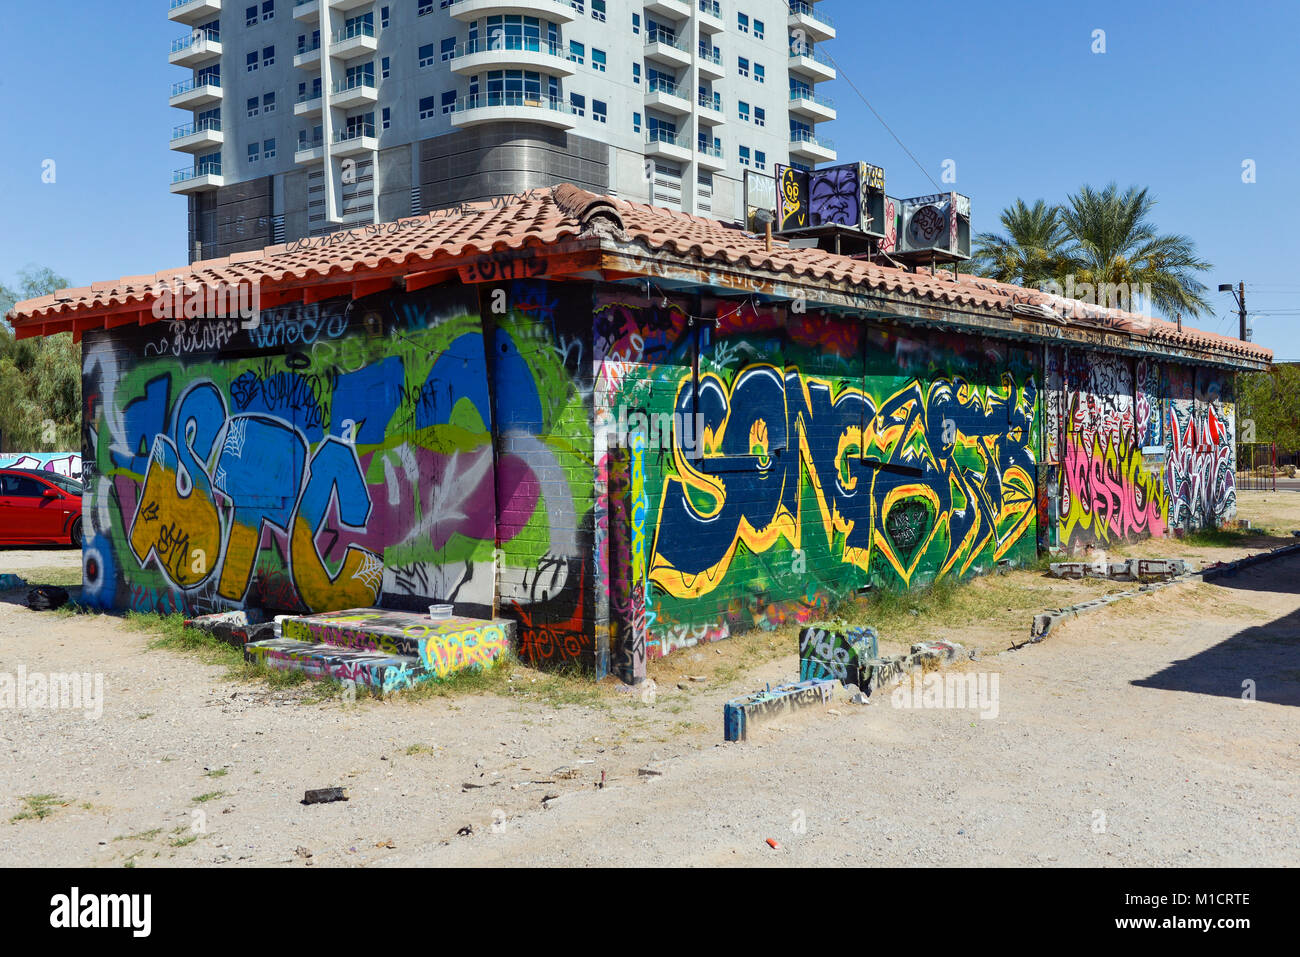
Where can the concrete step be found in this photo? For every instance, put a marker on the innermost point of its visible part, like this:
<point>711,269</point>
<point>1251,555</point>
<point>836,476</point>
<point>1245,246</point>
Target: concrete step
<point>338,643</point>
<point>375,669</point>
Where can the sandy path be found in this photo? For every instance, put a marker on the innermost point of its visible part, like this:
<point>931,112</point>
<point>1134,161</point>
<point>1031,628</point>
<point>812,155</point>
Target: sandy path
<point>1134,712</point>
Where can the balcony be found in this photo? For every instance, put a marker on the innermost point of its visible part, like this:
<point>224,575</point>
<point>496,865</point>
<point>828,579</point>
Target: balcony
<point>308,57</point>
<point>346,5</point>
<point>710,108</point>
<point>665,46</point>
<point>809,145</point>
<point>309,151</point>
<point>354,91</point>
<point>197,179</point>
<point>512,52</point>
<point>673,9</point>
<point>195,92</point>
<point>193,11</point>
<point>355,139</point>
<point>709,157</point>
<point>711,17</point>
<point>815,25</point>
<point>667,96</point>
<point>195,49</point>
<point>806,60</point>
<point>307,10</point>
<point>557,11</point>
<point>201,137</point>
<point>308,104</point>
<point>807,103</point>
<point>709,63</point>
<point>513,106</point>
<point>355,40</point>
<point>660,144</point>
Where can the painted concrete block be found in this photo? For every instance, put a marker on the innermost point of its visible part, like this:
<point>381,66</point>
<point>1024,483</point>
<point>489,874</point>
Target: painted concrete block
<point>741,715</point>
<point>375,669</point>
<point>837,651</point>
<point>442,647</point>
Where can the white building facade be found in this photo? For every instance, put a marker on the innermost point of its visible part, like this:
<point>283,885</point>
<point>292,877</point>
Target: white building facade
<point>309,116</point>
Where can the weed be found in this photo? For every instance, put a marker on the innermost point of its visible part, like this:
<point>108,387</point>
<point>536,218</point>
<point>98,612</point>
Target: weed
<point>39,807</point>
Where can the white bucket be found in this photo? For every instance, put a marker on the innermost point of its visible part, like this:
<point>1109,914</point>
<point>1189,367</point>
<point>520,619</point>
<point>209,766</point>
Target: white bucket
<point>439,612</point>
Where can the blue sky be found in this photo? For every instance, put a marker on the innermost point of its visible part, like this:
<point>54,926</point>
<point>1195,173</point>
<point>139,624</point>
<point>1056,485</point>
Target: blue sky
<point>1009,91</point>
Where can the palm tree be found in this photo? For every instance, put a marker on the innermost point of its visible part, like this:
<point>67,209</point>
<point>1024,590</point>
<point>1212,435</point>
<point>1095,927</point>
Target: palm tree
<point>1032,252</point>
<point>1113,242</point>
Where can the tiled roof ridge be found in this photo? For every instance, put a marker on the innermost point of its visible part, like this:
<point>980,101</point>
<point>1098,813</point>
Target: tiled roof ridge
<point>544,217</point>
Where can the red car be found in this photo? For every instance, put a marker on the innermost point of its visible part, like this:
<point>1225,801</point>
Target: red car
<point>39,508</point>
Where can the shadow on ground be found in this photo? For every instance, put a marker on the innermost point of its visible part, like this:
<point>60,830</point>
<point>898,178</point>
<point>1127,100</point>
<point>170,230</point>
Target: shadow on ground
<point>1264,659</point>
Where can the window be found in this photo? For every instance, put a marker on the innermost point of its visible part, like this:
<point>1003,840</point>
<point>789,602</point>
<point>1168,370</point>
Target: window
<point>759,30</point>
<point>744,156</point>
<point>636,122</point>
<point>636,23</point>
<point>251,62</point>
<point>447,48</point>
<point>425,6</point>
<point>21,485</point>
<point>250,16</point>
<point>387,118</point>
<point>742,65</point>
<point>384,64</point>
<point>427,106</point>
<point>577,52</point>
<point>579,103</point>
<point>426,54</point>
<point>598,60</point>
<point>383,16</point>
<point>636,72</point>
<point>742,109</point>
<point>254,151</point>
<point>268,149</point>
<point>760,116</point>
<point>760,159</point>
<point>598,10</point>
<point>742,22</point>
<point>268,10</point>
<point>760,74</point>
<point>599,111</point>
<point>252,106</point>
<point>268,102</point>
<point>268,56</point>
<point>449,101</point>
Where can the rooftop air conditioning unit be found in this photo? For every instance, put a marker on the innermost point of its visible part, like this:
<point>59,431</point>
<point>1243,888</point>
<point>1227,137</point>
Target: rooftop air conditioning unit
<point>934,228</point>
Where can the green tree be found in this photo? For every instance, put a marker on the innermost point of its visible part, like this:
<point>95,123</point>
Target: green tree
<point>1268,400</point>
<point>1113,241</point>
<point>40,378</point>
<point>1102,237</point>
<point>1030,253</point>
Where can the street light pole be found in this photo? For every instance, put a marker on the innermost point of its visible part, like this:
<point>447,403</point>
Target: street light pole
<point>1240,295</point>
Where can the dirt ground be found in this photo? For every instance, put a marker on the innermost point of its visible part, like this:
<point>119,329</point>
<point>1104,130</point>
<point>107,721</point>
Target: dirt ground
<point>1128,737</point>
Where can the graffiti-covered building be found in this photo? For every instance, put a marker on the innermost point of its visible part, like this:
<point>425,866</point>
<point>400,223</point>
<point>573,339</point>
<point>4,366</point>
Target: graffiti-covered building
<point>625,429</point>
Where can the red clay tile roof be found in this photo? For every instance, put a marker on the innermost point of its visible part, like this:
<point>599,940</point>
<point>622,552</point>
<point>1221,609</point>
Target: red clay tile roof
<point>542,218</point>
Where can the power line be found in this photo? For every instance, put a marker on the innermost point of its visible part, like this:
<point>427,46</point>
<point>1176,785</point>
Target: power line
<point>850,82</point>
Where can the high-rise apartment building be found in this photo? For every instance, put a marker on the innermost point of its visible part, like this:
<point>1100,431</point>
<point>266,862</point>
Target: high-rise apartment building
<point>312,115</point>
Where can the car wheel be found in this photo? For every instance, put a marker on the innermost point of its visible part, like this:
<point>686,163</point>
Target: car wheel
<point>74,536</point>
